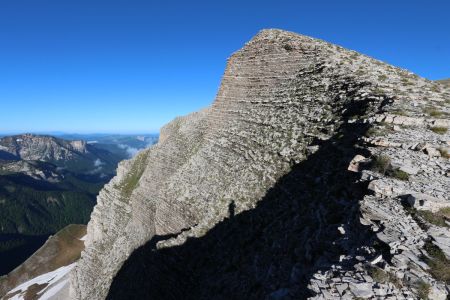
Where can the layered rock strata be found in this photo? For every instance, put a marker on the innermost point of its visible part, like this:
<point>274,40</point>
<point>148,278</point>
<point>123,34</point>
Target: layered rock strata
<point>252,197</point>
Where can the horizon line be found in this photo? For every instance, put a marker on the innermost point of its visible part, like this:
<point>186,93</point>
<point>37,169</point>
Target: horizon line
<point>49,132</point>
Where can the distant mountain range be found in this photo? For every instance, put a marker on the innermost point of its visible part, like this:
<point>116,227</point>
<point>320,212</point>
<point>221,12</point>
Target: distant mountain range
<point>122,145</point>
<point>48,182</point>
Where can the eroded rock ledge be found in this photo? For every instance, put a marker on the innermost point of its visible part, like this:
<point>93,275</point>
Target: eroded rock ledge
<point>252,197</point>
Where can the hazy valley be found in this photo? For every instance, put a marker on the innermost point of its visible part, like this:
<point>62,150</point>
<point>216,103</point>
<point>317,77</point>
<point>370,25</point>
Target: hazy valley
<point>49,182</point>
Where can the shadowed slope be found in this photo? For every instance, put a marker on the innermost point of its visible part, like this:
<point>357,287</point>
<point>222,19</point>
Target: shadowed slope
<point>271,250</point>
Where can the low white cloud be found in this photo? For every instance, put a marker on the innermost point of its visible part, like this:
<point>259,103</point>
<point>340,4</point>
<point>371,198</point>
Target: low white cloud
<point>98,167</point>
<point>97,170</point>
<point>151,141</point>
<point>98,163</point>
<point>130,150</point>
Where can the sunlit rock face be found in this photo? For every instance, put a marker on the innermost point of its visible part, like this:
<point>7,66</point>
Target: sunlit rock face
<point>290,110</point>
<point>41,147</point>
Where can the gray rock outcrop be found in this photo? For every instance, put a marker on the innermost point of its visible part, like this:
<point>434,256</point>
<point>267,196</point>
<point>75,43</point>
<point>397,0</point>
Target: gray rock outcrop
<point>253,197</point>
<point>41,147</point>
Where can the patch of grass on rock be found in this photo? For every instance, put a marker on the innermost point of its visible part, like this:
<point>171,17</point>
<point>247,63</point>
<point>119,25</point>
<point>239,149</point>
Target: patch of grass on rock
<point>399,174</point>
<point>131,179</point>
<point>444,153</point>
<point>381,164</point>
<point>383,276</point>
<point>433,112</point>
<point>423,289</point>
<point>438,263</point>
<point>439,129</point>
<point>437,219</point>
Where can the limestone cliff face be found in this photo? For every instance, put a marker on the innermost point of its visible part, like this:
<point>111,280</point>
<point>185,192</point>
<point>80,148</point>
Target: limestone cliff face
<point>283,101</point>
<point>124,217</point>
<point>41,147</point>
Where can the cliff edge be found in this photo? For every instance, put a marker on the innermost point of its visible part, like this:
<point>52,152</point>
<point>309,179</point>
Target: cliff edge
<point>316,172</point>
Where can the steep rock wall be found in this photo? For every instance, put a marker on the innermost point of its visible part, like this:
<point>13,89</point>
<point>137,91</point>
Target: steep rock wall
<point>281,97</point>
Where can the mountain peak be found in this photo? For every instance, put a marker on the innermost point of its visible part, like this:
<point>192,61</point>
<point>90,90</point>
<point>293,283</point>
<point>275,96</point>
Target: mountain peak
<point>280,175</point>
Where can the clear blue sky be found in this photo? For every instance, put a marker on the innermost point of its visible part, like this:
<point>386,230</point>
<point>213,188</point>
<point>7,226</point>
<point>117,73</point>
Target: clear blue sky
<point>131,66</point>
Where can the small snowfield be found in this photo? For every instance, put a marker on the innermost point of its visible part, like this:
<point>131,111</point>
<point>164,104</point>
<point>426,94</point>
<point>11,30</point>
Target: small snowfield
<point>46,286</point>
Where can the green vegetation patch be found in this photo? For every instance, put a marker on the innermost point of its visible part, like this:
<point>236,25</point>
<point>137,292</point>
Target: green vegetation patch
<point>131,179</point>
<point>444,153</point>
<point>381,130</point>
<point>438,218</point>
<point>406,81</point>
<point>438,263</point>
<point>433,112</point>
<point>436,88</point>
<point>439,129</point>
<point>382,164</point>
<point>432,218</point>
<point>400,112</point>
<point>423,289</point>
<point>382,276</point>
<point>445,212</point>
<point>382,77</point>
<point>40,208</point>
<point>399,174</point>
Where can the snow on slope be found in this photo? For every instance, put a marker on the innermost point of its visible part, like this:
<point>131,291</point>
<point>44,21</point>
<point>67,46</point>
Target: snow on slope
<point>54,281</point>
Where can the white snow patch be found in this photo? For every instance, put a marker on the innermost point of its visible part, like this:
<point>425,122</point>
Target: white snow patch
<point>55,280</point>
<point>53,289</point>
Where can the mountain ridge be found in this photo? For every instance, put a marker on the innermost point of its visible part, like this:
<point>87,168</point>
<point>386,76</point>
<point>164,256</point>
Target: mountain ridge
<point>46,147</point>
<point>303,179</point>
<point>285,101</point>
<point>77,155</point>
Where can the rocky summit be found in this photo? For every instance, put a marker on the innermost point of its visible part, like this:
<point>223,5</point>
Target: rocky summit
<point>317,172</point>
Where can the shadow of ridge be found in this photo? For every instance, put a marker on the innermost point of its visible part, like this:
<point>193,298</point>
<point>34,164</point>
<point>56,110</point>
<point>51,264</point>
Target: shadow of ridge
<point>273,249</point>
<point>18,249</point>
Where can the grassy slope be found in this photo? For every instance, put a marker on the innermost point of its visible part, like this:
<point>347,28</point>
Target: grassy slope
<point>59,250</point>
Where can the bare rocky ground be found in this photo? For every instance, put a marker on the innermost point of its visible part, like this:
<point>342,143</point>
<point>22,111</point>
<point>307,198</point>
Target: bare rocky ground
<point>316,173</point>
